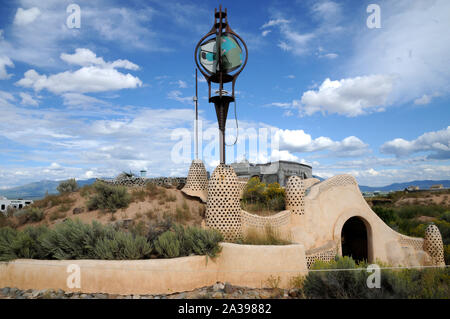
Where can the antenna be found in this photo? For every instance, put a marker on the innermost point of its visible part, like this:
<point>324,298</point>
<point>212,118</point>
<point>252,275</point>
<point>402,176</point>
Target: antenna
<point>196,116</point>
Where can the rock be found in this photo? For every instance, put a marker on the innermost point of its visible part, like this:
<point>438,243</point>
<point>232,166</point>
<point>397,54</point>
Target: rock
<point>27,295</point>
<point>101,296</point>
<point>136,297</point>
<point>293,293</point>
<point>181,296</point>
<point>217,295</point>
<point>229,289</point>
<point>13,291</point>
<point>265,294</point>
<point>218,287</point>
<point>36,293</point>
<point>78,210</point>
<point>5,291</point>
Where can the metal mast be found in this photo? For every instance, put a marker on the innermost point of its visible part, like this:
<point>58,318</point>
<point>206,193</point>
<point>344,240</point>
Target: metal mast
<point>196,116</point>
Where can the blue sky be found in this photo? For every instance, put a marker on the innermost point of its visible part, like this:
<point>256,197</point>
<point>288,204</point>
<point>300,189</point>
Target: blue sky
<point>116,94</point>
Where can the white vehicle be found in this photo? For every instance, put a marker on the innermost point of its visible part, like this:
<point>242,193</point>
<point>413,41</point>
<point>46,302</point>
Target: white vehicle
<point>14,203</point>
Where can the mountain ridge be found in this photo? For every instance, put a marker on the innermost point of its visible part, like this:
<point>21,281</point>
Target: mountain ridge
<point>36,190</point>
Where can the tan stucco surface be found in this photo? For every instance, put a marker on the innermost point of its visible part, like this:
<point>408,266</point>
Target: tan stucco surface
<point>243,265</point>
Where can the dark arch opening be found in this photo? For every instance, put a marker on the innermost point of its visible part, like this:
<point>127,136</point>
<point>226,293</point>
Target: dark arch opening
<point>354,239</point>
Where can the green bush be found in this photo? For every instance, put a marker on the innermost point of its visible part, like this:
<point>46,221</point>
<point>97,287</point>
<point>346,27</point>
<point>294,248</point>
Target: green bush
<point>405,283</point>
<point>68,186</point>
<point>29,214</point>
<point>76,240</point>
<point>184,241</point>
<point>108,197</point>
<point>22,244</point>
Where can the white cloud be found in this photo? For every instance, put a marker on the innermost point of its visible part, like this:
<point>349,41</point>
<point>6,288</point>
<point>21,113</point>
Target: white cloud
<point>283,156</point>
<point>180,83</point>
<point>86,57</point>
<point>350,97</point>
<point>274,22</point>
<point>95,76</point>
<point>4,62</point>
<point>438,143</point>
<point>177,96</point>
<point>412,44</point>
<point>299,141</point>
<point>6,98</point>
<point>329,56</point>
<point>27,99</point>
<point>265,32</point>
<point>77,99</point>
<point>24,17</point>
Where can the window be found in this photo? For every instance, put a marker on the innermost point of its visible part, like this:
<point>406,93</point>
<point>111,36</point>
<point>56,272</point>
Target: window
<point>20,206</point>
<point>3,207</point>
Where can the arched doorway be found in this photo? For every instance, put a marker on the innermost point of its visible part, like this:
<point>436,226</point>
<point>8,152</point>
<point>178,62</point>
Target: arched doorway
<point>354,239</point>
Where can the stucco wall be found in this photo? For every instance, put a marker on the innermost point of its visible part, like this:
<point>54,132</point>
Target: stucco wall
<point>242,265</point>
<point>330,204</point>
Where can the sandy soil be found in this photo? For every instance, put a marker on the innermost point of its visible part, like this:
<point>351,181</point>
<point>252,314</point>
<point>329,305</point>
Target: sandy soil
<point>149,210</point>
<point>429,199</point>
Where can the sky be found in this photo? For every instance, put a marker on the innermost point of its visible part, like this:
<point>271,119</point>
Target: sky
<point>324,85</point>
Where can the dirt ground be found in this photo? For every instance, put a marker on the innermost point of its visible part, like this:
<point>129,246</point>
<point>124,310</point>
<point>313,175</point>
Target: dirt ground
<point>149,210</point>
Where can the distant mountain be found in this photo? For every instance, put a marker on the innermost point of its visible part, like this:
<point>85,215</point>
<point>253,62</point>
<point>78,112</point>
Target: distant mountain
<point>423,185</point>
<point>37,190</point>
<point>319,178</point>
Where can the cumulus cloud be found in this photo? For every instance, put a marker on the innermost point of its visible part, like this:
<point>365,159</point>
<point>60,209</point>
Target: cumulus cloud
<point>350,97</point>
<point>419,61</point>
<point>24,17</point>
<point>28,100</point>
<point>86,57</point>
<point>96,75</point>
<point>438,143</point>
<point>299,141</point>
<point>5,62</point>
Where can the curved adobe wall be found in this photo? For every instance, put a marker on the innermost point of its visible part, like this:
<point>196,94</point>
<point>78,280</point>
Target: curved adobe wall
<point>197,181</point>
<point>241,265</point>
<point>331,203</point>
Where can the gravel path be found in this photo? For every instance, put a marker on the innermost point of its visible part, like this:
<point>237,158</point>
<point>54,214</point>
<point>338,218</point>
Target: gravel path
<point>217,291</point>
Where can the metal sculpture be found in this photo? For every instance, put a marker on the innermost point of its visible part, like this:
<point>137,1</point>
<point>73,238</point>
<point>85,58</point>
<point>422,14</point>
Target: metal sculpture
<point>218,56</point>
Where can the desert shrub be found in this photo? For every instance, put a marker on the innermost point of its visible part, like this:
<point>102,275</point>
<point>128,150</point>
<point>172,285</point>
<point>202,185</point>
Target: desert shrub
<point>447,254</point>
<point>182,214</point>
<point>159,228</point>
<point>168,245</point>
<point>22,244</point>
<point>184,241</point>
<point>254,191</point>
<point>405,283</point>
<point>118,245</point>
<point>386,214</point>
<point>267,237</point>
<point>6,221</point>
<point>172,198</point>
<point>86,190</point>
<point>446,216</point>
<point>56,215</point>
<point>29,214</point>
<point>138,195</point>
<point>258,196</point>
<point>76,240</point>
<point>68,186</point>
<point>108,197</point>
